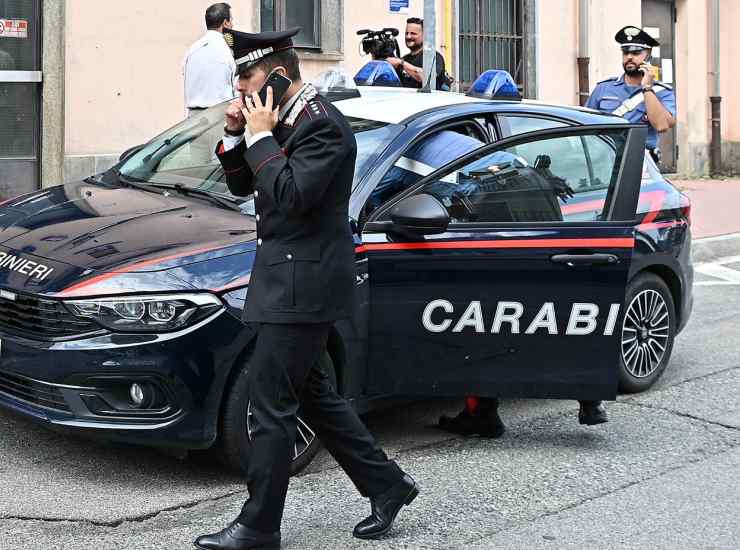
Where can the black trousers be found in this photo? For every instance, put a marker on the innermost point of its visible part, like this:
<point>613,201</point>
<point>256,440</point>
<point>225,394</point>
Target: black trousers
<point>283,375</point>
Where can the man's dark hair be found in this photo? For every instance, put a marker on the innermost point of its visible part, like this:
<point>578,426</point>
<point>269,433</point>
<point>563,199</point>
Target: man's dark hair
<point>415,21</point>
<point>285,58</point>
<point>217,14</point>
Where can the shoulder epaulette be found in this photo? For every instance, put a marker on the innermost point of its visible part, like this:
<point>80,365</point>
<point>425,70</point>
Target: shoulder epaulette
<point>612,79</point>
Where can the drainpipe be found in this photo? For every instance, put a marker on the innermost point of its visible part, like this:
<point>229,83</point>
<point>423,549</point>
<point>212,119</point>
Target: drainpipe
<point>715,149</point>
<point>449,44</point>
<point>430,45</point>
<point>583,56</point>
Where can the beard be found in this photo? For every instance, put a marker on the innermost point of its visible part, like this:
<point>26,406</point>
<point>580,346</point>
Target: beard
<point>631,72</point>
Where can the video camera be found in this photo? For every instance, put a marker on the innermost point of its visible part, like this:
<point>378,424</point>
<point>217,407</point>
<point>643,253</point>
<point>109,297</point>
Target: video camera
<point>380,44</point>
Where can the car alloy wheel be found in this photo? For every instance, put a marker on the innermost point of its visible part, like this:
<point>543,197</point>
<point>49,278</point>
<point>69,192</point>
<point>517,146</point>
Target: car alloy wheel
<point>645,333</point>
<point>304,437</point>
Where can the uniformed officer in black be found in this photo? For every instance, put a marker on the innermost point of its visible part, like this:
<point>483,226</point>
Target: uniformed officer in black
<point>636,95</point>
<point>298,160</point>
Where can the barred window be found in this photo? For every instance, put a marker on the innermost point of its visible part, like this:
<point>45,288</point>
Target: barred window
<point>491,37</point>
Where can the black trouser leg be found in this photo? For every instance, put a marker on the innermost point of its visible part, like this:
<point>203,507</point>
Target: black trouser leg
<point>284,361</point>
<point>345,436</point>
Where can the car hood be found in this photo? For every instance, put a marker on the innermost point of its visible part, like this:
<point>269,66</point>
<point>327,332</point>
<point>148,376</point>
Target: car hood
<point>107,229</point>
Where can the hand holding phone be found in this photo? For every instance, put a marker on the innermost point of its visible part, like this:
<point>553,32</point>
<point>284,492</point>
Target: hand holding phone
<point>279,85</point>
<point>649,74</point>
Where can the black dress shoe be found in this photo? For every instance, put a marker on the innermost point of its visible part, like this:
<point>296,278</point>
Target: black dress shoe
<point>385,508</point>
<point>485,422</point>
<point>592,413</point>
<point>239,537</point>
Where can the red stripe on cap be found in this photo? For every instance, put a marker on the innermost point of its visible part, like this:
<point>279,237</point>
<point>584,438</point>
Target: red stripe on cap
<point>610,242</point>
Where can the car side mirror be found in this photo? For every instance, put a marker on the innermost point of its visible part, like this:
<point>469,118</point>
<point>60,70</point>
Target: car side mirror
<point>128,153</point>
<point>420,215</point>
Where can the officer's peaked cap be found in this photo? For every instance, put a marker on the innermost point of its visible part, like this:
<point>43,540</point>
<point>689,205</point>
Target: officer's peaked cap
<point>632,39</point>
<point>250,49</point>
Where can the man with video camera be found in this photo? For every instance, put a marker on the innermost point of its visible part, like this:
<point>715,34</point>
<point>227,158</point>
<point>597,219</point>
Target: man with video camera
<point>410,68</point>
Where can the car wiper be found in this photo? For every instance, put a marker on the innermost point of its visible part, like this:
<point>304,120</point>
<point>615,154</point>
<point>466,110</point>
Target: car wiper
<point>183,136</point>
<point>165,143</point>
<point>231,204</point>
<point>136,185</point>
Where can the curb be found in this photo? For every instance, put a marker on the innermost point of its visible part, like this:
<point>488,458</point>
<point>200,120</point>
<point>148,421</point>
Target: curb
<point>710,249</point>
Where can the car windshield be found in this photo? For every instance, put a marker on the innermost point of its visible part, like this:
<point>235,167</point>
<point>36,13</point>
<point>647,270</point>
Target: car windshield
<point>184,155</point>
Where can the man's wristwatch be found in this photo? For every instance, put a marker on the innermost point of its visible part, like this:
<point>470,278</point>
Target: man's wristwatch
<point>647,89</point>
<point>233,133</point>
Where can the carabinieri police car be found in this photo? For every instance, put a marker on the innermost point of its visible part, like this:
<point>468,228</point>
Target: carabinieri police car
<point>503,248</point>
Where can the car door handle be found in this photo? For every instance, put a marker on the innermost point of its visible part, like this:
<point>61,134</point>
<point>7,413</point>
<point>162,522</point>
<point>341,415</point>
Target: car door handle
<point>572,260</point>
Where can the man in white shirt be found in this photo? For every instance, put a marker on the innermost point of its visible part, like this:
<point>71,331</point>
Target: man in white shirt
<point>209,68</point>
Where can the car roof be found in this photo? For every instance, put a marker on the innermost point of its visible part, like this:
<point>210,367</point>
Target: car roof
<point>401,105</point>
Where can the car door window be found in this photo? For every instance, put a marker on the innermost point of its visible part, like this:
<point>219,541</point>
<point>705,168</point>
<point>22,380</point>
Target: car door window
<point>424,157</point>
<point>566,178</point>
<point>512,125</point>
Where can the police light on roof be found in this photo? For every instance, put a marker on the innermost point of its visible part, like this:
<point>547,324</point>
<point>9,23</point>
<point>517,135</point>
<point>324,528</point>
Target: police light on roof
<point>495,84</point>
<point>335,85</point>
<point>377,73</point>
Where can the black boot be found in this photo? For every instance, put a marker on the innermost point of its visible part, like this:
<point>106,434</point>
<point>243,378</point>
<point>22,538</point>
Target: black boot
<point>592,413</point>
<point>239,537</point>
<point>385,508</point>
<point>484,422</point>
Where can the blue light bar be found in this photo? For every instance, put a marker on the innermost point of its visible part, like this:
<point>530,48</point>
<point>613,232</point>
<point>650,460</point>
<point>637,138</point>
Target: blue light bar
<point>377,73</point>
<point>495,84</point>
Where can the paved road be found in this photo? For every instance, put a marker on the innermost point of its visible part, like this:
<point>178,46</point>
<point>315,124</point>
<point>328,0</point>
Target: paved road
<point>664,473</point>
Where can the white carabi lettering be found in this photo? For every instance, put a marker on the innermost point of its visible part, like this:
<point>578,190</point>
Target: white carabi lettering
<point>473,317</point>
<point>38,273</point>
<point>582,319</point>
<point>611,321</point>
<point>427,316</point>
<point>27,267</point>
<point>507,312</point>
<point>3,255</point>
<point>11,261</point>
<point>48,272</point>
<point>544,319</point>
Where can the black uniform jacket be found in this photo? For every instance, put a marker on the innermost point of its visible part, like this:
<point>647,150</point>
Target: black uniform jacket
<point>304,271</point>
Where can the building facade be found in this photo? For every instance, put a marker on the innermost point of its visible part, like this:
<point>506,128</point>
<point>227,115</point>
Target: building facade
<point>81,80</point>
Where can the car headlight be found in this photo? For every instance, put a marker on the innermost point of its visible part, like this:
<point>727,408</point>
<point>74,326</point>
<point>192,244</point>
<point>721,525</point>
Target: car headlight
<point>153,313</point>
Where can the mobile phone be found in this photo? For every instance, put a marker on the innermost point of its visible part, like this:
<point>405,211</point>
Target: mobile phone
<point>648,61</point>
<point>279,85</point>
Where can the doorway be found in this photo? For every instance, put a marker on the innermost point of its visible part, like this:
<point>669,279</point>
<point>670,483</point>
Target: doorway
<point>658,20</point>
<point>20,96</point>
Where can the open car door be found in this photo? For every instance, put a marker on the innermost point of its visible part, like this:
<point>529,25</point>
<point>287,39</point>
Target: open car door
<point>504,272</point>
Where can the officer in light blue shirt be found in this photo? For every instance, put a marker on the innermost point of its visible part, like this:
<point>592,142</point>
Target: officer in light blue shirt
<point>636,95</point>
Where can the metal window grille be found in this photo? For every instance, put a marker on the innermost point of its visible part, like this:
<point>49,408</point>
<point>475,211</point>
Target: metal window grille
<point>284,14</point>
<point>491,37</point>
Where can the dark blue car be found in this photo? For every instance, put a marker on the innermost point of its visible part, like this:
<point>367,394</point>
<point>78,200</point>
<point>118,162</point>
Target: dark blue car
<point>551,260</point>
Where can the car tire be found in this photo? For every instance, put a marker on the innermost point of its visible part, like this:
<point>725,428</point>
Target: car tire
<point>647,333</point>
<point>234,437</point>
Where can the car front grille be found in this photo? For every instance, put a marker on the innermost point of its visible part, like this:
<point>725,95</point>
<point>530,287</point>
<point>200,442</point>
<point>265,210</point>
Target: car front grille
<point>32,391</point>
<point>36,318</point>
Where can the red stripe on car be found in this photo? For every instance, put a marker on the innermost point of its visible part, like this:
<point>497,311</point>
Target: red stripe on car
<point>610,242</point>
